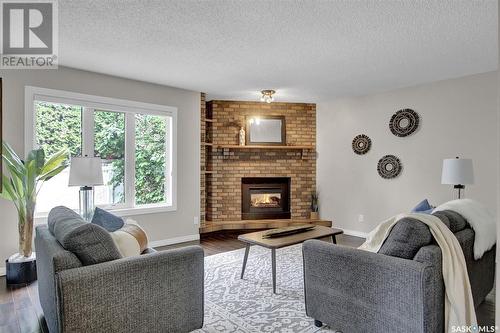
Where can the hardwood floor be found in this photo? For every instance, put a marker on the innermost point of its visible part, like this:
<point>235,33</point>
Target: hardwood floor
<point>20,310</point>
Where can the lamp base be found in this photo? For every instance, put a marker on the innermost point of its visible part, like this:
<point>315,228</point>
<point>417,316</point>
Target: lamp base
<point>460,188</point>
<point>87,202</point>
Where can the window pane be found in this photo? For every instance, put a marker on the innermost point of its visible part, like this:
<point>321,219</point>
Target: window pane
<point>109,143</point>
<point>150,159</point>
<point>58,126</point>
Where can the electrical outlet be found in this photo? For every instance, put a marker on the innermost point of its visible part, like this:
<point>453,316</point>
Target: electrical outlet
<point>196,220</point>
<point>361,218</point>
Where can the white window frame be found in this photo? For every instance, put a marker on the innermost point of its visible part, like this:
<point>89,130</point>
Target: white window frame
<point>129,108</point>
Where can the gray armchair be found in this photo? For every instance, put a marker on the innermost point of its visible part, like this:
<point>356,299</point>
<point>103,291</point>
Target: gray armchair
<point>354,291</point>
<point>358,291</point>
<point>154,292</point>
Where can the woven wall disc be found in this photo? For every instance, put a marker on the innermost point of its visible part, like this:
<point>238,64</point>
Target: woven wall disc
<point>404,122</point>
<point>389,167</point>
<point>361,144</point>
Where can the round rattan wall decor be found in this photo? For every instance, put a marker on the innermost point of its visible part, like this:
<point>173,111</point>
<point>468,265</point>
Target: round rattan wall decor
<point>404,122</point>
<point>361,144</point>
<point>389,167</point>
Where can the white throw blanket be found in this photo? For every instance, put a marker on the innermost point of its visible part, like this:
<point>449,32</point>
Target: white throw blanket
<point>480,219</point>
<point>459,304</point>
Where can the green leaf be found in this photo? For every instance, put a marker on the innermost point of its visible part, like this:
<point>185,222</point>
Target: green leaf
<point>54,161</point>
<point>38,156</point>
<point>30,179</point>
<point>5,195</point>
<point>21,187</point>
<point>8,191</point>
<point>17,185</point>
<point>53,173</point>
<point>13,170</point>
<point>13,161</point>
<point>11,154</point>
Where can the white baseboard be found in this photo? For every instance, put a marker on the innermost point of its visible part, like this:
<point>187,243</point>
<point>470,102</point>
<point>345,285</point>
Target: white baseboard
<point>355,233</point>
<point>2,271</point>
<point>175,240</point>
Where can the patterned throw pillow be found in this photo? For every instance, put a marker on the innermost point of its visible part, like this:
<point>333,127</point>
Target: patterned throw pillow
<point>131,239</point>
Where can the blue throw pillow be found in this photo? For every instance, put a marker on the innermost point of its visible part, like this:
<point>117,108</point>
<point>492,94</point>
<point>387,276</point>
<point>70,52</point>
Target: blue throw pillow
<point>107,220</point>
<point>423,207</point>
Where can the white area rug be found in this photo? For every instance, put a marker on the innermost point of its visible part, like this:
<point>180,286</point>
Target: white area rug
<point>249,305</point>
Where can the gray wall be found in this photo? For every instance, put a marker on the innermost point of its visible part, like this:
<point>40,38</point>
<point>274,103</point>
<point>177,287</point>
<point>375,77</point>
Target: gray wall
<point>158,226</point>
<point>458,118</point>
<point>497,300</point>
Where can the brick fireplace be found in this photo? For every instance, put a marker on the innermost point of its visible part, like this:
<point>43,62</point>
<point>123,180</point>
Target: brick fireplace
<point>228,170</point>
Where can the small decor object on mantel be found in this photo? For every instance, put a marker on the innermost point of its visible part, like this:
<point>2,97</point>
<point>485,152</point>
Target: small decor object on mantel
<point>21,187</point>
<point>242,136</point>
<point>361,144</point>
<point>404,122</point>
<point>314,206</point>
<point>389,167</point>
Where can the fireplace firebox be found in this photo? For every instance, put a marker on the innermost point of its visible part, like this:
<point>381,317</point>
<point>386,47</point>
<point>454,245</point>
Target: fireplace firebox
<point>265,198</point>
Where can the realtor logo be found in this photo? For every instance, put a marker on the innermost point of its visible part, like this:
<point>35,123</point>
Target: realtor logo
<point>29,34</point>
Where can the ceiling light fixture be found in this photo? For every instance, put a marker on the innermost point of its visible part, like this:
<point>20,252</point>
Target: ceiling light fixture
<point>267,96</point>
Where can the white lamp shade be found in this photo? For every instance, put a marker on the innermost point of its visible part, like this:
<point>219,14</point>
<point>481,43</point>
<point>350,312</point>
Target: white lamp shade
<point>457,171</point>
<point>85,171</point>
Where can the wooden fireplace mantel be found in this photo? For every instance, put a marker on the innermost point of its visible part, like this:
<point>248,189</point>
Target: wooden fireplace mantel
<point>296,147</point>
<point>211,226</point>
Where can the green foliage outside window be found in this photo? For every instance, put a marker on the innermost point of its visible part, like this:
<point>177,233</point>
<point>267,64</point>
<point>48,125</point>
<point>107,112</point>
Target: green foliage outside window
<point>59,126</point>
<point>109,144</point>
<point>149,159</point>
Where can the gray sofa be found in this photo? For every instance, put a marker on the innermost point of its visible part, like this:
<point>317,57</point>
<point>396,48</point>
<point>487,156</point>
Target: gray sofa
<point>153,292</point>
<point>357,291</point>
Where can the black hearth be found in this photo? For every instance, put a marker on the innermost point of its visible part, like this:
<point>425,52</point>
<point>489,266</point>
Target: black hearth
<point>265,198</point>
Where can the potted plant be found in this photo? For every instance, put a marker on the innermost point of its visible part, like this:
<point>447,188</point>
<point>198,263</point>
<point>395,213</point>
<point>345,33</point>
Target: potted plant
<point>314,206</point>
<point>21,186</point>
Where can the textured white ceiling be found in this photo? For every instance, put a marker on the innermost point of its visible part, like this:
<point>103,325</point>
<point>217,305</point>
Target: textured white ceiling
<point>306,50</point>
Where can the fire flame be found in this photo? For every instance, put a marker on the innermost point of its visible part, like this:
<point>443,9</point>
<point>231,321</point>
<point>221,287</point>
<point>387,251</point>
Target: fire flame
<point>265,199</point>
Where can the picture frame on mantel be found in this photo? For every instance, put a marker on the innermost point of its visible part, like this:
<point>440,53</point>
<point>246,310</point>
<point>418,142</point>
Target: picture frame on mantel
<point>265,130</point>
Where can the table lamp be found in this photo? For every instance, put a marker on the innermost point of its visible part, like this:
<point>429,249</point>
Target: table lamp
<point>457,172</point>
<point>86,172</point>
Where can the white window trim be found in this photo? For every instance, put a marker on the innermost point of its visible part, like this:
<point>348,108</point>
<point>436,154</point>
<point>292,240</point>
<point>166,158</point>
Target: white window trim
<point>109,104</point>
<point>41,218</point>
